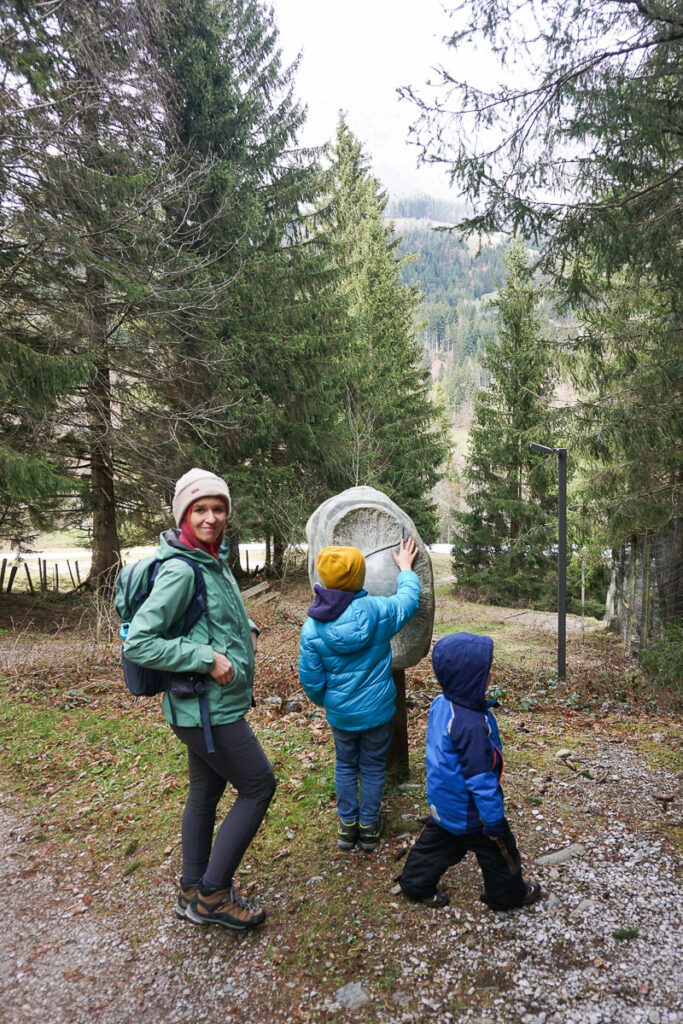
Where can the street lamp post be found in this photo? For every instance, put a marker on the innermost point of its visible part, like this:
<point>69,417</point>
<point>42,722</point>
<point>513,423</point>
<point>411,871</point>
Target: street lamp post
<point>561,553</point>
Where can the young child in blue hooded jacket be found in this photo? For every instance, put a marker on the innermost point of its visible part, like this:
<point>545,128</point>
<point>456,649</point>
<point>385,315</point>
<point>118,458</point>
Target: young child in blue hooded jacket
<point>345,667</point>
<point>464,768</point>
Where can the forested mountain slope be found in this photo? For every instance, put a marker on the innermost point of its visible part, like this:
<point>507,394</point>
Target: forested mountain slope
<point>456,279</point>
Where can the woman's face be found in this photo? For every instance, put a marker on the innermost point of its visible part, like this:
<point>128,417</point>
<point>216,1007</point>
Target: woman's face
<point>207,519</point>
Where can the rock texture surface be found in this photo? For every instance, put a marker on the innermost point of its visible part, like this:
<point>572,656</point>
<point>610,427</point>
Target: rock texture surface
<point>367,519</point>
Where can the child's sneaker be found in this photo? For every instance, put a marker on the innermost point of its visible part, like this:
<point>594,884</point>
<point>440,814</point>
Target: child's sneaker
<point>347,834</point>
<point>439,899</point>
<point>225,907</point>
<point>185,894</point>
<point>533,893</point>
<point>370,835</point>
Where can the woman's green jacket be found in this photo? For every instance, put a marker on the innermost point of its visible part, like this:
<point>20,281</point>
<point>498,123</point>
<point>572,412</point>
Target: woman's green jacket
<point>154,636</point>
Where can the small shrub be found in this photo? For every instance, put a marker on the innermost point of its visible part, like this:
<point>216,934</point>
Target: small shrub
<point>621,934</point>
<point>663,659</point>
<point>596,584</point>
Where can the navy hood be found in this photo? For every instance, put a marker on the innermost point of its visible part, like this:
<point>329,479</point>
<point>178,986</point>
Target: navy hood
<point>461,662</point>
<point>329,604</point>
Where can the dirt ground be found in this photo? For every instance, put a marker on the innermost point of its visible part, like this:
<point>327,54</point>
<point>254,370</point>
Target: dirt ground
<point>592,775</point>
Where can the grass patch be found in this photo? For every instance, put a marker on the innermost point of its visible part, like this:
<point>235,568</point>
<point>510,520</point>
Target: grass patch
<point>622,934</point>
<point>87,777</point>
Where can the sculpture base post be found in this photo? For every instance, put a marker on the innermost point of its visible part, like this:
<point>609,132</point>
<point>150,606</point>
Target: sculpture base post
<point>398,761</point>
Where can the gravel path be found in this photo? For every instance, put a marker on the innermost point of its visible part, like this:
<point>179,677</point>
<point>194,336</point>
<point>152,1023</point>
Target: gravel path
<point>571,959</point>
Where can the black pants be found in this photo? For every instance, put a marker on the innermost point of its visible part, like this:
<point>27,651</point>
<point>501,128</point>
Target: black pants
<point>436,850</point>
<point>240,761</point>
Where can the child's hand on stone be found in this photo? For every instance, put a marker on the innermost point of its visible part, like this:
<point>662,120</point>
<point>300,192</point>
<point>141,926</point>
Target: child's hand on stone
<point>407,553</point>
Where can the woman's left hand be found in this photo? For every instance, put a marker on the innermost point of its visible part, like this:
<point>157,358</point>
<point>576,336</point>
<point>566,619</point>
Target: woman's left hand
<point>254,640</point>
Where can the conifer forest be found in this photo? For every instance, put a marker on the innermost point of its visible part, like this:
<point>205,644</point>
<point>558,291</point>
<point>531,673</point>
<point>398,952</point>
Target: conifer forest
<point>184,284</point>
<point>235,786</point>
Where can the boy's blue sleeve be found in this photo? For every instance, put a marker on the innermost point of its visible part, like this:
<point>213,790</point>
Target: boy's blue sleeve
<point>311,669</point>
<point>481,768</point>
<point>399,607</point>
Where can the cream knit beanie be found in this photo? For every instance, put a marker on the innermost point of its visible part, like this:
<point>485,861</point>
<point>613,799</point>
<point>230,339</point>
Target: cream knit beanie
<point>195,484</point>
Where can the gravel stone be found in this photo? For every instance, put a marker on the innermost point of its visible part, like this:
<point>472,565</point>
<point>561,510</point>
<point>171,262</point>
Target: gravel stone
<point>560,856</point>
<point>352,995</point>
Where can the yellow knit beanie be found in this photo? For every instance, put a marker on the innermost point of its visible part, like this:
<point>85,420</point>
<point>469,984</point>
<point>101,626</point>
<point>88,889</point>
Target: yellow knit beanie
<point>341,568</point>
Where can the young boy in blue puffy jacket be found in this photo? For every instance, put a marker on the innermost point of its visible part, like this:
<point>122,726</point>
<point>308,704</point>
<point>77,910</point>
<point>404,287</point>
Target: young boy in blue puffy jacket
<point>345,667</point>
<point>464,768</point>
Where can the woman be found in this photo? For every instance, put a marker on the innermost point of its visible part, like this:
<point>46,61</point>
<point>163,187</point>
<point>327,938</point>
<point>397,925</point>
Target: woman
<point>201,506</point>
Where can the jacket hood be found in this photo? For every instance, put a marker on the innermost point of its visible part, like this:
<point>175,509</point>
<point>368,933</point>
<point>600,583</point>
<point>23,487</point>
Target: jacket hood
<point>170,544</point>
<point>329,603</point>
<point>352,629</point>
<point>462,662</point>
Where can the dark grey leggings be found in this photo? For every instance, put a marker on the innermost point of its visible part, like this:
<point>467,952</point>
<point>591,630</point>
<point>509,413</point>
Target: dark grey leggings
<point>240,761</point>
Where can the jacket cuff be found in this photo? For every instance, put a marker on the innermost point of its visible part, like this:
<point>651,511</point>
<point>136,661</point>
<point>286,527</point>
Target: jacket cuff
<point>208,658</point>
<point>494,831</point>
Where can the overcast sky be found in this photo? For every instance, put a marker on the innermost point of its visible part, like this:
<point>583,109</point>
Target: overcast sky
<point>355,55</point>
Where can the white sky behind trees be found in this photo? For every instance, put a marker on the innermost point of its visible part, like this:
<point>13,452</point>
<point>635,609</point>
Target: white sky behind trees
<point>355,55</point>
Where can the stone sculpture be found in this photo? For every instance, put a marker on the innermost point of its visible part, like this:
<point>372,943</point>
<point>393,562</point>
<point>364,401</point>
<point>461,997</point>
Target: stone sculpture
<point>367,519</point>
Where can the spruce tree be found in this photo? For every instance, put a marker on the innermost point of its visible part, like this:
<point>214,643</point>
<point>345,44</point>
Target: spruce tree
<point>389,434</point>
<point>153,251</point>
<point>100,283</point>
<point>505,535</point>
<point>584,156</point>
<point>276,326</point>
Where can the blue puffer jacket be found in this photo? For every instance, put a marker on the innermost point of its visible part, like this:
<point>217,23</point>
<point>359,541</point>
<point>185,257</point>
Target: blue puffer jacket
<point>464,753</point>
<point>345,654</point>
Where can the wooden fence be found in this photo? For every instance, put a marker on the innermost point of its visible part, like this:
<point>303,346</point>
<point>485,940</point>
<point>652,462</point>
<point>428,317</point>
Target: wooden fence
<point>39,577</point>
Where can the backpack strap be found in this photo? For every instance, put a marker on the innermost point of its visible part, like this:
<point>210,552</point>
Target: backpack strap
<point>197,607</point>
<point>200,690</point>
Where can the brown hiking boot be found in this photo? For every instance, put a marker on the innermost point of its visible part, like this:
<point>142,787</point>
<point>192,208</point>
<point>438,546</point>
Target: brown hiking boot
<point>225,907</point>
<point>185,895</point>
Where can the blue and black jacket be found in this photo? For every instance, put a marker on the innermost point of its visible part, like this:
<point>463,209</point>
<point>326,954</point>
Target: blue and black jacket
<point>464,755</point>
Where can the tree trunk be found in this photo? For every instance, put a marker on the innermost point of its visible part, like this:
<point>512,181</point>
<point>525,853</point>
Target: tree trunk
<point>278,556</point>
<point>234,560</point>
<point>398,760</point>
<point>106,553</point>
<point>516,495</point>
<point>645,602</point>
<point>614,604</point>
<point>630,611</point>
<point>669,574</point>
